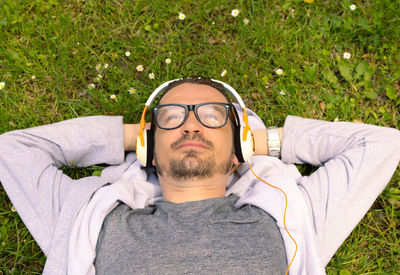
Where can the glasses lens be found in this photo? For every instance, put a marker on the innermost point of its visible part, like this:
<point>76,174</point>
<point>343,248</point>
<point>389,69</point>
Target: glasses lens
<point>212,115</point>
<point>170,116</point>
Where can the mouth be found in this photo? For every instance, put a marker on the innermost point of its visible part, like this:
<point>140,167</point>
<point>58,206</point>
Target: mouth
<point>192,144</point>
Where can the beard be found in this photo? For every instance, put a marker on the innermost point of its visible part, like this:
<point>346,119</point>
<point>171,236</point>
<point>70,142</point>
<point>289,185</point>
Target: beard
<point>192,165</point>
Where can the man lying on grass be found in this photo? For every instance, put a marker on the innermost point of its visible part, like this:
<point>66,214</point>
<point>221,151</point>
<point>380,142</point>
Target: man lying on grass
<point>195,200</point>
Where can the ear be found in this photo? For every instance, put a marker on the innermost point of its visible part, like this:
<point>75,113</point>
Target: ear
<point>153,161</point>
<point>235,165</point>
<point>235,161</point>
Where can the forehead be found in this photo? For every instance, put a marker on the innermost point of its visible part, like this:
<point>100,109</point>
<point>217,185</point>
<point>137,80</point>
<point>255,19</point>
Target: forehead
<point>191,93</point>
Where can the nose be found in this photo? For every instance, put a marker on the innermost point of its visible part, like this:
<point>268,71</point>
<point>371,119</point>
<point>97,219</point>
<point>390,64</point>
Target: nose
<point>191,124</point>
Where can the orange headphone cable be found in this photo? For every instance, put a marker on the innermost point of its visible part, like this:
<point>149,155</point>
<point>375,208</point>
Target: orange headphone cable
<point>284,216</point>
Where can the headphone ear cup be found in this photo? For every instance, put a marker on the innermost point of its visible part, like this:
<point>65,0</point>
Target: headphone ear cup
<point>141,150</point>
<point>247,147</point>
<point>150,148</point>
<point>145,153</point>
<point>237,143</point>
<point>243,149</point>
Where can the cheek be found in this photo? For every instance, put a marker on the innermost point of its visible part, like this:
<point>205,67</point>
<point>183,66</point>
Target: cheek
<point>158,150</point>
<point>162,143</point>
<point>224,142</point>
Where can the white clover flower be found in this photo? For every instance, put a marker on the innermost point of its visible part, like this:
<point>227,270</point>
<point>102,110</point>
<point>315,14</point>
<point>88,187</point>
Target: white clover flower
<point>106,66</point>
<point>91,86</point>
<point>128,53</point>
<point>346,55</point>
<point>181,16</point>
<point>246,21</point>
<point>98,67</point>
<point>13,209</point>
<point>213,23</point>
<point>235,12</point>
<point>223,73</point>
<point>132,91</point>
<point>33,77</point>
<point>2,85</point>
<point>353,7</point>
<point>113,97</point>
<point>140,68</point>
<point>151,75</point>
<point>168,61</point>
<point>279,71</point>
<point>282,92</point>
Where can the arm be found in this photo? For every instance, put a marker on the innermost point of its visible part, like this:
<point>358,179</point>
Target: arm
<point>260,138</point>
<point>30,160</point>
<point>355,162</point>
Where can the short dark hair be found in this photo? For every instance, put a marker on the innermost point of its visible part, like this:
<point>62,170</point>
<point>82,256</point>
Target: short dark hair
<point>199,80</point>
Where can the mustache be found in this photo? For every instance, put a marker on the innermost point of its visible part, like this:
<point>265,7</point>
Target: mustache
<point>194,137</point>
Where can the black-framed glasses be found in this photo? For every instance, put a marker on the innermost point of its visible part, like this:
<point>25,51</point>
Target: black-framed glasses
<point>209,114</point>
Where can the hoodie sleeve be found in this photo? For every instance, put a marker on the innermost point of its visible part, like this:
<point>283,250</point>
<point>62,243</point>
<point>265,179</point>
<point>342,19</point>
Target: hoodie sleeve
<point>356,161</point>
<point>30,162</point>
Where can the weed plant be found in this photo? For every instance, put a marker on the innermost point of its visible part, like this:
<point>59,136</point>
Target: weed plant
<point>317,59</point>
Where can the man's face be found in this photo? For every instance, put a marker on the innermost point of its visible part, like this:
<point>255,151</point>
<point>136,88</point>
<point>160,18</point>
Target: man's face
<point>193,151</point>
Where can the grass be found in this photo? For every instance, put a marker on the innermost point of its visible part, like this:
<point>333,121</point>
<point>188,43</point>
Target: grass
<point>61,42</point>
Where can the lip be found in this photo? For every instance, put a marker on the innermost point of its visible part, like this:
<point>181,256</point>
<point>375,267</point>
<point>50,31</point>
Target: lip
<point>192,144</point>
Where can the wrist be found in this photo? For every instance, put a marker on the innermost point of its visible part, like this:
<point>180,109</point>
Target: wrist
<point>260,144</point>
<point>274,141</point>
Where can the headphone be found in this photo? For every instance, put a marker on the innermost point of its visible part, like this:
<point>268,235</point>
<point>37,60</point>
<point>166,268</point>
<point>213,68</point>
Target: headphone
<point>243,138</point>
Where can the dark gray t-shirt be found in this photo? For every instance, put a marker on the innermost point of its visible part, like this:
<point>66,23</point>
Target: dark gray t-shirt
<point>201,237</point>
